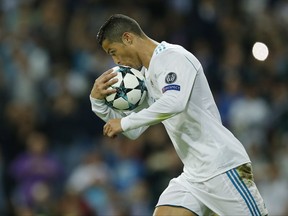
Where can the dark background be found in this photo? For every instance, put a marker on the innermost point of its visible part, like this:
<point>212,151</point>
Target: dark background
<point>53,157</point>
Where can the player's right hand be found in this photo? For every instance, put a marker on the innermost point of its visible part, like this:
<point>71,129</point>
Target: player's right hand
<point>101,85</point>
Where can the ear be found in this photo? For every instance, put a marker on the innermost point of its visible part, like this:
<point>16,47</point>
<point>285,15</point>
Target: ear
<point>127,38</point>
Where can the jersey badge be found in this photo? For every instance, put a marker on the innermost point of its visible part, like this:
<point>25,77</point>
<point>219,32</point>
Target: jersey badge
<point>170,78</point>
<point>171,87</point>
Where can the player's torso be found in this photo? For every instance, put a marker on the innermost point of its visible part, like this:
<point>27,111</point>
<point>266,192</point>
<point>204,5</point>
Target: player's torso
<point>197,133</point>
<point>152,87</point>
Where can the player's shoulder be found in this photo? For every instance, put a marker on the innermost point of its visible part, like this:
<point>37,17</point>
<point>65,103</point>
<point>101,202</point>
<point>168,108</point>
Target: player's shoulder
<point>169,53</point>
<point>164,48</point>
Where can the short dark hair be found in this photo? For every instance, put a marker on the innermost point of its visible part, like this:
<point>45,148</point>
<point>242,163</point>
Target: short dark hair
<point>115,26</point>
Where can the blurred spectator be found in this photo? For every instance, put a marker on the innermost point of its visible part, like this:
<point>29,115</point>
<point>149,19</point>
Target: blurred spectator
<point>156,150</point>
<point>140,199</point>
<point>36,172</point>
<point>248,117</point>
<point>274,190</point>
<point>91,180</point>
<point>230,93</point>
<point>71,203</point>
<point>126,166</point>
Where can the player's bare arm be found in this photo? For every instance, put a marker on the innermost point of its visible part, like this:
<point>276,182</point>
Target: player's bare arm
<point>101,86</point>
<point>112,128</point>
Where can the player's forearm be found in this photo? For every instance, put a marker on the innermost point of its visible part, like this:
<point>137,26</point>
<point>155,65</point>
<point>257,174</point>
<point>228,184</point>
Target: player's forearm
<point>162,109</point>
<point>103,111</point>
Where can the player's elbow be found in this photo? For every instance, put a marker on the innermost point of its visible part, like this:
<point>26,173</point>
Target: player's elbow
<point>135,133</point>
<point>131,136</point>
<point>179,108</point>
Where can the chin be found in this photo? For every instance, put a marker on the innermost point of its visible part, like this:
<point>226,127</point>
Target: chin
<point>137,67</point>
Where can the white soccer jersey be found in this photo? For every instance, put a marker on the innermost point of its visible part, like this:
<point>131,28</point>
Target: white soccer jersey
<point>179,96</point>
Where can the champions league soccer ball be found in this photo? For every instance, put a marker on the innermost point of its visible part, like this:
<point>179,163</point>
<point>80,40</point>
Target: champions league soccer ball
<point>131,89</point>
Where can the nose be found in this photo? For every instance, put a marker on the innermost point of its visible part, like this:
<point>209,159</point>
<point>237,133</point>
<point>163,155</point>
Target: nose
<point>116,60</point>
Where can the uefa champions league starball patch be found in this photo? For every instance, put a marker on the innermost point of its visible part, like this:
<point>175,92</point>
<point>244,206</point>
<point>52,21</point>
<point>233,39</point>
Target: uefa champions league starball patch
<point>170,77</point>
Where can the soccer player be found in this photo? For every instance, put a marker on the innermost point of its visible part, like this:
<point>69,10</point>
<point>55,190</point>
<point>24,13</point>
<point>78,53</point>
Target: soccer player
<point>217,174</point>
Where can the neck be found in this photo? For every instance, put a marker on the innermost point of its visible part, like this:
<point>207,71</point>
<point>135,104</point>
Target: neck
<point>147,47</point>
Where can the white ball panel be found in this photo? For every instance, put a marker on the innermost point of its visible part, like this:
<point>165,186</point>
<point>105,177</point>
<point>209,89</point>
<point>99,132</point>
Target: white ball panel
<point>120,78</point>
<point>137,73</point>
<point>115,68</point>
<point>111,96</point>
<point>130,81</point>
<point>134,96</point>
<point>121,104</point>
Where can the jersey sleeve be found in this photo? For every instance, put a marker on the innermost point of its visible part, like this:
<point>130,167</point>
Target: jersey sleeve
<point>105,113</point>
<point>175,80</point>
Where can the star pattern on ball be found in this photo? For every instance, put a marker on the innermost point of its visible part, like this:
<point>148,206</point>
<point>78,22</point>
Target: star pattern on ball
<point>130,89</point>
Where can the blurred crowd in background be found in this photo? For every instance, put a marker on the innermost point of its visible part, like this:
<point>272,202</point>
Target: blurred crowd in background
<point>54,160</point>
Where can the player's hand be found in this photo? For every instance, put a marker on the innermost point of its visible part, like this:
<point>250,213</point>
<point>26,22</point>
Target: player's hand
<point>102,83</point>
<point>112,128</point>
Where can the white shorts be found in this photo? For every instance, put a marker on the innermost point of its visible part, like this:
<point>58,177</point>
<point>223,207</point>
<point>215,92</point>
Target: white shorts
<point>230,193</point>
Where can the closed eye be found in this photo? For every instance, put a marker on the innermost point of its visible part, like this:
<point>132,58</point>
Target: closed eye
<point>111,52</point>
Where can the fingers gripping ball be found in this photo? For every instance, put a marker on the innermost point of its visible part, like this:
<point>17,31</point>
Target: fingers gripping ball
<point>131,89</point>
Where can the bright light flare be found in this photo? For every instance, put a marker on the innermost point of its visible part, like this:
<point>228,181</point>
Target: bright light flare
<point>260,51</point>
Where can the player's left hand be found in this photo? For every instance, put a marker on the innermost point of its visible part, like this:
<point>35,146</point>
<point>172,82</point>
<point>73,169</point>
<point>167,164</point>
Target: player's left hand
<point>112,128</point>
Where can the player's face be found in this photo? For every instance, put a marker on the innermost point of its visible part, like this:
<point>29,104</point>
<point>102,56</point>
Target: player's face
<point>122,54</point>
